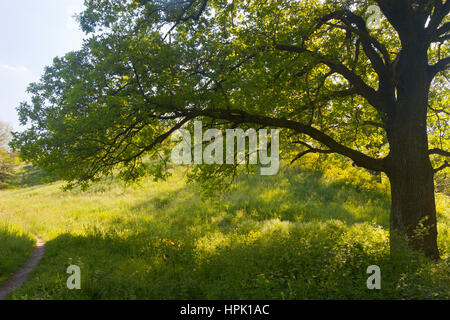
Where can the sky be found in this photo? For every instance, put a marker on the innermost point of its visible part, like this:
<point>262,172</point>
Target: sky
<point>32,33</point>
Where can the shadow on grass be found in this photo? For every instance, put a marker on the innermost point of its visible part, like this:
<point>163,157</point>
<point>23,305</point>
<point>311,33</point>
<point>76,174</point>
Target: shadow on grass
<point>293,196</point>
<point>306,196</point>
<point>15,250</point>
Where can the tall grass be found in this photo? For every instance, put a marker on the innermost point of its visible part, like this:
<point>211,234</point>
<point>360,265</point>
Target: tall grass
<point>303,234</point>
<point>15,248</point>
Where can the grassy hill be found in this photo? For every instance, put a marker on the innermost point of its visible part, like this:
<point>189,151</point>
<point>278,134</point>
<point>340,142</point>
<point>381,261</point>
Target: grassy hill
<point>303,234</point>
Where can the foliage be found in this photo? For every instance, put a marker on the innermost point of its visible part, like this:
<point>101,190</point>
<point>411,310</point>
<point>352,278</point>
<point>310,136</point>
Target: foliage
<point>148,67</point>
<point>28,176</point>
<point>7,168</point>
<point>443,182</point>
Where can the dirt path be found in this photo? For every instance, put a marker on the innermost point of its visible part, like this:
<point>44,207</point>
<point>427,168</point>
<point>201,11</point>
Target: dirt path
<point>19,278</point>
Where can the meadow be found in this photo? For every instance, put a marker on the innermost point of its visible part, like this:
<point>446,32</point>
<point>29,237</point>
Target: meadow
<point>15,248</point>
<point>308,233</point>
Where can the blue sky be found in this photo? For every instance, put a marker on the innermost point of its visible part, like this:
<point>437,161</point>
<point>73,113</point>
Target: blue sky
<point>32,33</point>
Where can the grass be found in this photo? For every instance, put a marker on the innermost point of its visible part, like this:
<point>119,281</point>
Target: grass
<point>301,235</point>
<point>15,248</point>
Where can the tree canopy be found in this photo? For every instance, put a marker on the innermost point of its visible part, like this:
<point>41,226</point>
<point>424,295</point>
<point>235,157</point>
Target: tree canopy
<point>312,67</point>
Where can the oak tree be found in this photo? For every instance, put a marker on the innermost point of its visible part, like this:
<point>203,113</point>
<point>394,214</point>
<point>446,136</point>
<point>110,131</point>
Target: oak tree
<point>314,68</point>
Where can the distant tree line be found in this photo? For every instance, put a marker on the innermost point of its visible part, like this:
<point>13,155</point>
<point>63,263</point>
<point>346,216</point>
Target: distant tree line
<point>7,159</point>
<point>13,171</point>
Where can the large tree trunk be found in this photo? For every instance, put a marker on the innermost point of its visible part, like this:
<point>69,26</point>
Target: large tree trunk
<point>413,212</point>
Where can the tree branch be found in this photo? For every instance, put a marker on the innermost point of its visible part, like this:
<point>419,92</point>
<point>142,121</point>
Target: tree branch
<point>399,14</point>
<point>304,153</point>
<point>108,160</point>
<point>441,65</point>
<point>369,42</point>
<point>444,29</point>
<point>309,150</point>
<point>445,165</point>
<point>362,88</point>
<point>439,152</point>
<point>238,116</point>
<point>442,39</point>
<point>441,10</point>
<point>194,16</point>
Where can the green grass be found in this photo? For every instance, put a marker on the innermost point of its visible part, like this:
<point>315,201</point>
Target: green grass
<point>299,235</point>
<point>15,248</point>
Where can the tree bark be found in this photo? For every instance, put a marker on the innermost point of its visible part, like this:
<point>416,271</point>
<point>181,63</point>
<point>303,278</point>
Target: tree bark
<point>413,212</point>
